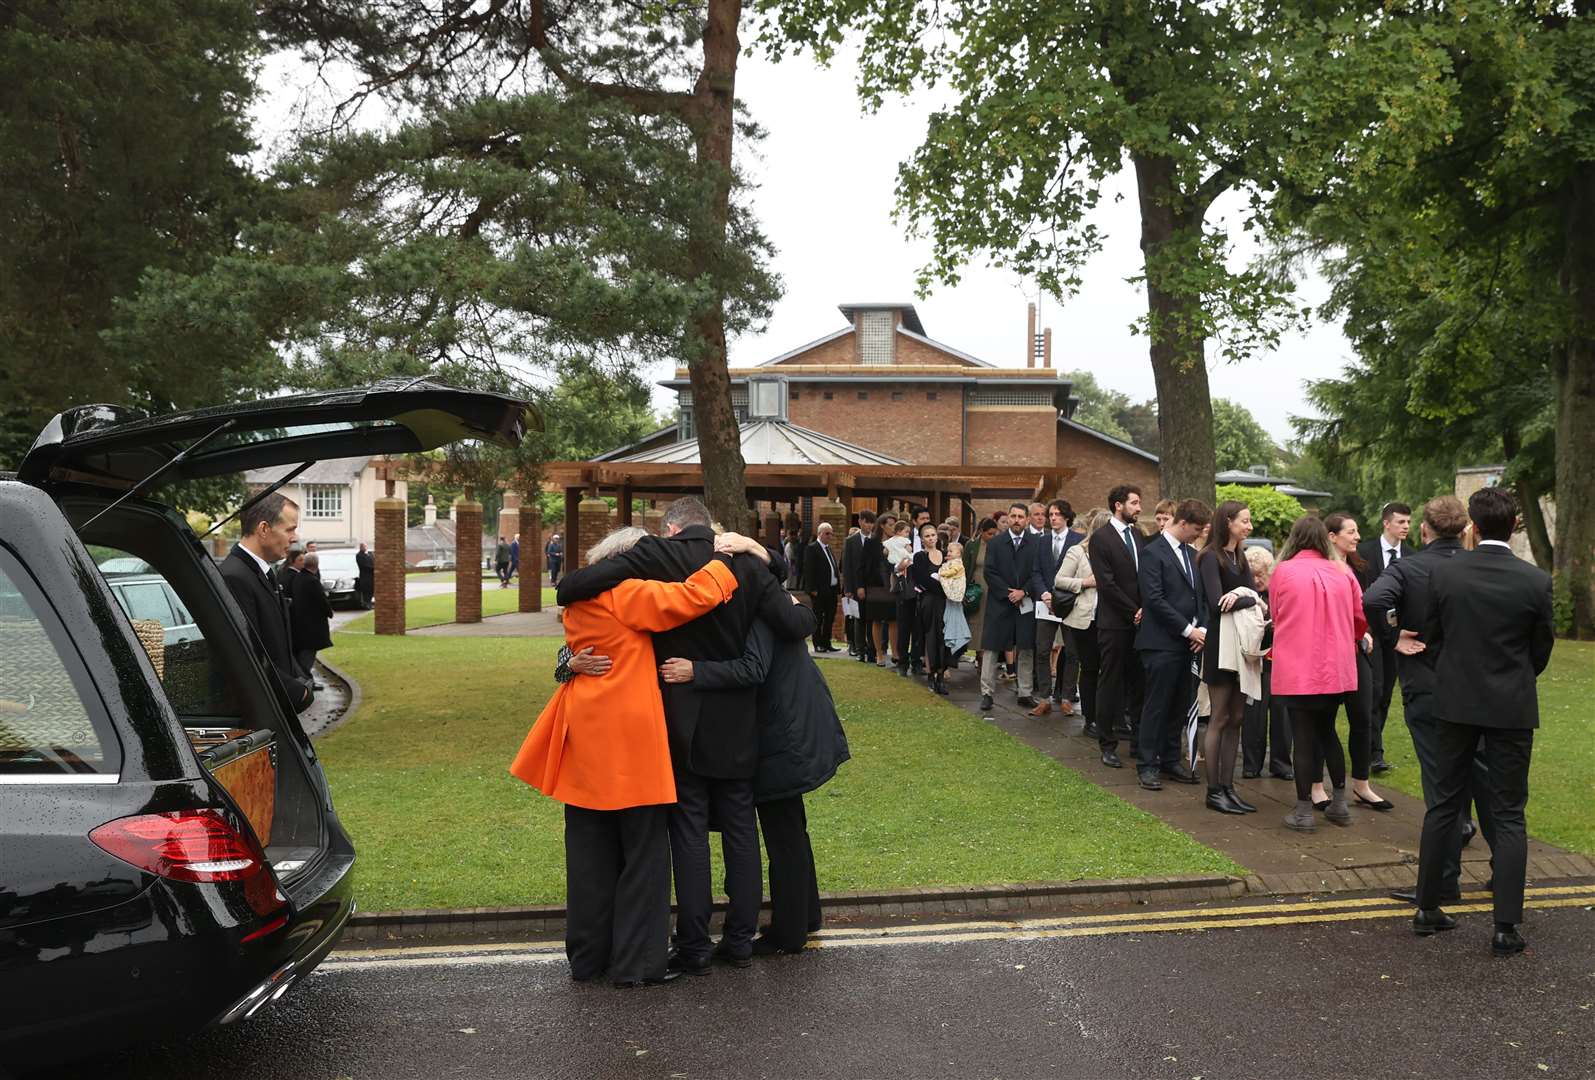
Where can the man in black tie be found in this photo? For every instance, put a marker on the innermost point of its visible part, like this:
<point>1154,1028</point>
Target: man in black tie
<point>820,581</point>
<point>1379,553</point>
<point>1173,629</point>
<point>1050,549</point>
<point>1489,624</point>
<point>1396,605</point>
<point>1115,563</point>
<point>1010,613</point>
<point>268,529</point>
<point>853,584</point>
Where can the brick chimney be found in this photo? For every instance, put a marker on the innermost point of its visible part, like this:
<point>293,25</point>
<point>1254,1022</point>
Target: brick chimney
<point>431,512</point>
<point>1046,348</point>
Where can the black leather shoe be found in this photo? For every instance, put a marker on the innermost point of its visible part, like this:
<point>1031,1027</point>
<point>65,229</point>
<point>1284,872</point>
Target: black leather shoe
<point>1380,765</point>
<point>986,703</point>
<point>689,965</point>
<point>1382,804</point>
<point>1282,774</point>
<point>1410,896</point>
<point>1123,731</point>
<point>1149,780</point>
<point>1218,799</point>
<point>1431,921</point>
<point>1251,774</point>
<point>1238,801</point>
<point>1179,774</point>
<point>1090,731</point>
<point>733,959</point>
<point>1026,702</point>
<point>637,984</point>
<point>1507,942</point>
<point>1469,830</point>
<point>1112,761</point>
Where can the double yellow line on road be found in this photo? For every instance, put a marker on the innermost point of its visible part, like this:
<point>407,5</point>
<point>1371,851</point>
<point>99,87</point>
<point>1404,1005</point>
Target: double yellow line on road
<point>948,933</point>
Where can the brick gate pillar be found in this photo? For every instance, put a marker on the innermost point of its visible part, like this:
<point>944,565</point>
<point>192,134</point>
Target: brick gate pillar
<point>387,557</point>
<point>592,525</point>
<point>836,515</point>
<point>531,530</point>
<point>467,561</point>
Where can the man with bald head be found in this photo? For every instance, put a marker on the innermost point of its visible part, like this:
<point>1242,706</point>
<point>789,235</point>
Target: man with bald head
<point>820,581</point>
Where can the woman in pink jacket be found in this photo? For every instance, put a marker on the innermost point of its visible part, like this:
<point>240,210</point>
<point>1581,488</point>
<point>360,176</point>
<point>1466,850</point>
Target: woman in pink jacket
<point>1318,621</point>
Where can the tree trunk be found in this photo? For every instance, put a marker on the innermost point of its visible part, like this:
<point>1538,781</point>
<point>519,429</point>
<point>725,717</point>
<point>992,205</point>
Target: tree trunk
<point>719,441</point>
<point>1574,372</point>
<point>1528,494</point>
<point>1179,367</point>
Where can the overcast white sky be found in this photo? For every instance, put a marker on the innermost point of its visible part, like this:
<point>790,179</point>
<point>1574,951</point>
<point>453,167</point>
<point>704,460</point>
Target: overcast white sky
<point>827,173</point>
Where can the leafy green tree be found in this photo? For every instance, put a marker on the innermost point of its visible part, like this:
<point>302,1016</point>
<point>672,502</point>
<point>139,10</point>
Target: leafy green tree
<point>1141,422</point>
<point>126,137</point>
<point>1051,100</point>
<point>1099,407</point>
<point>1238,439</point>
<point>1273,512</point>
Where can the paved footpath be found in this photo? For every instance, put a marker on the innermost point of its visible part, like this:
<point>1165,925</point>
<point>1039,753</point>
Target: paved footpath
<point>1301,989</point>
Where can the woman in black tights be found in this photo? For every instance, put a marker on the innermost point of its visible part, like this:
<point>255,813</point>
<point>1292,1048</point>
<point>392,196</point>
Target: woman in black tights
<point>1224,570</point>
<point>924,579</point>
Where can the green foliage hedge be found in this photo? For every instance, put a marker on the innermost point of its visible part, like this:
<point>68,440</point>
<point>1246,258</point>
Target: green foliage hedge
<point>1273,513</point>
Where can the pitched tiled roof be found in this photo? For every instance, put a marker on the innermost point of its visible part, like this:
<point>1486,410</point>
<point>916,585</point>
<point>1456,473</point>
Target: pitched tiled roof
<point>774,442</point>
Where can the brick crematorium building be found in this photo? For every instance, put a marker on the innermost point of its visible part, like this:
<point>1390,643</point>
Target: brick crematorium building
<point>880,413</point>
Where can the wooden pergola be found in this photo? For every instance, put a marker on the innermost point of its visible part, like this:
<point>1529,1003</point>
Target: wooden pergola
<point>933,486</point>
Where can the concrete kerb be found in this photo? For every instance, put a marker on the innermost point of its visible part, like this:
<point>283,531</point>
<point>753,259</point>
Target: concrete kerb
<point>355,695</point>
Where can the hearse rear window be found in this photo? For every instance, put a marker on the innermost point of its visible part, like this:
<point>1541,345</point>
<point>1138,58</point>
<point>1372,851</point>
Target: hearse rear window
<point>45,728</point>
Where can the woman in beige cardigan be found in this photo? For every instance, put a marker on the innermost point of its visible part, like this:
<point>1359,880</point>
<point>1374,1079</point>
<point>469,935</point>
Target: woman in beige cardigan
<point>1074,575</point>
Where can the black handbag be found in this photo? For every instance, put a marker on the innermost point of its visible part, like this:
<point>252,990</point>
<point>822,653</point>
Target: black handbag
<point>1063,602</point>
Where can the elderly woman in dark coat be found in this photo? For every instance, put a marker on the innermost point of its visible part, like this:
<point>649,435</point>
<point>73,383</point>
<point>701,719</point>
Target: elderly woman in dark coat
<point>801,745</point>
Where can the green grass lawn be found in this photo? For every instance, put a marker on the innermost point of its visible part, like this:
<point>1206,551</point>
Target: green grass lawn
<point>432,610</point>
<point>1559,811</point>
<point>933,795</point>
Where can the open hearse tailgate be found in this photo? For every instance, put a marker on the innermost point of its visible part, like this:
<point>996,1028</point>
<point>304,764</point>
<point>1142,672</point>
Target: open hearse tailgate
<point>117,447</point>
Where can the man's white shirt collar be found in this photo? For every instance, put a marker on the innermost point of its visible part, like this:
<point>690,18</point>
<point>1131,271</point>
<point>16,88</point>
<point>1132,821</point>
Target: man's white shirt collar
<point>265,567</point>
<point>1175,544</point>
<point>1497,543</point>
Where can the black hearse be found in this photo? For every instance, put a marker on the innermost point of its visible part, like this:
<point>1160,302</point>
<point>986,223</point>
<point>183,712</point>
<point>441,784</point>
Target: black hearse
<point>169,853</point>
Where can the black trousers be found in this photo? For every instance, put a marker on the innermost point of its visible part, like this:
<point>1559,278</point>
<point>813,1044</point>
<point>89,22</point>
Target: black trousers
<point>1121,687</point>
<point>553,569</point>
<point>731,802</point>
<point>1169,686</point>
<point>1312,719</point>
<point>824,617</point>
<point>617,892</point>
<point>794,887</point>
<point>1085,656</point>
<point>1265,731</point>
<point>1424,726</point>
<point>1506,753</point>
<point>932,634</point>
<point>1384,673</point>
<point>910,642</point>
<point>306,659</point>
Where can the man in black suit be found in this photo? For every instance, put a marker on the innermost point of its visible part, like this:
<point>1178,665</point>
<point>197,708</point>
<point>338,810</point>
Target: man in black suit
<point>365,575</point>
<point>1010,612</point>
<point>1396,605</point>
<point>853,585</point>
<point>1172,630</point>
<point>1115,563</point>
<point>1489,624</point>
<point>308,612</point>
<point>820,581</point>
<point>714,735</point>
<point>1050,549</point>
<point>1380,553</point>
<point>268,529</point>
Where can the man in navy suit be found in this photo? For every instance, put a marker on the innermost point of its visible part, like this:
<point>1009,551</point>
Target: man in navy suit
<point>1173,629</point>
<point>1050,549</point>
<point>1010,613</point>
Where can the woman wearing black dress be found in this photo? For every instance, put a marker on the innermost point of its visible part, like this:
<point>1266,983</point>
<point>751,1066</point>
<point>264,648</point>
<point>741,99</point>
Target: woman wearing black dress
<point>880,609</point>
<point>925,579</point>
<point>1223,568</point>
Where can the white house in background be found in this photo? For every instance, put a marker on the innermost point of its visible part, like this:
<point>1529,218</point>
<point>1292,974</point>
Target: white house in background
<point>337,499</point>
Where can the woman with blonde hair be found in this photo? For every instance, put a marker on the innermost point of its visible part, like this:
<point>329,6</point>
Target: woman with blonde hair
<point>600,747</point>
<point>1074,576</point>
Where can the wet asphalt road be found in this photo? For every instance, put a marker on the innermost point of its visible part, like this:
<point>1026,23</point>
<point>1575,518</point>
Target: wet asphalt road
<point>1359,998</point>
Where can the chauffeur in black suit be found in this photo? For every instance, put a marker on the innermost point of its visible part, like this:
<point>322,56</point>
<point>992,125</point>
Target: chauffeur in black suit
<point>1402,591</point>
<point>269,529</point>
<point>714,735</point>
<point>1489,625</point>
<point>853,584</point>
<point>1380,553</point>
<point>1173,628</point>
<point>1115,562</point>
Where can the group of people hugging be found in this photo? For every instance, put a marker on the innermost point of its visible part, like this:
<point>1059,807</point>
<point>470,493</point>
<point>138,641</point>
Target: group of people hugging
<point>687,700</point>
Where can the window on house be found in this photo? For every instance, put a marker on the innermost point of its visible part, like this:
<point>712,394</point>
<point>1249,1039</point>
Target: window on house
<point>931,395</point>
<point>827,395</point>
<point>897,395</point>
<point>688,431</point>
<point>792,395</point>
<point>875,336</point>
<point>323,501</point>
<point>863,395</point>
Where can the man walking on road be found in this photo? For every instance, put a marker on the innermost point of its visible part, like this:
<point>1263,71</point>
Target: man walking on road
<point>1489,622</point>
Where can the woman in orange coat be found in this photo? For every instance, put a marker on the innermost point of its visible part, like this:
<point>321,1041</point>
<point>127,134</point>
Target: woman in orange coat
<point>600,748</point>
